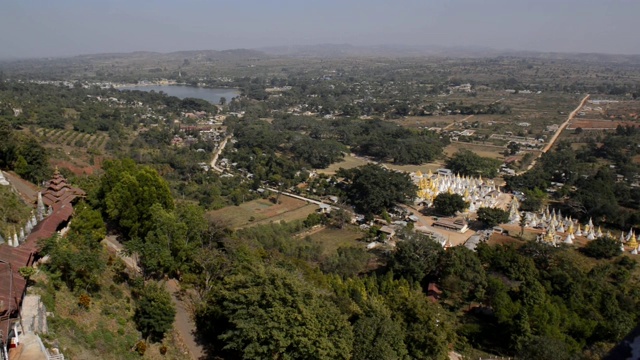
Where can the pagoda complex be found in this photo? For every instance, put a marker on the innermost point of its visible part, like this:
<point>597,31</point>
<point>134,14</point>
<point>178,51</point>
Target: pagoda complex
<point>477,192</point>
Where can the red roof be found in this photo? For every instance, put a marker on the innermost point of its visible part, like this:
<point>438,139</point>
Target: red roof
<point>59,191</point>
<point>12,284</point>
<point>432,287</point>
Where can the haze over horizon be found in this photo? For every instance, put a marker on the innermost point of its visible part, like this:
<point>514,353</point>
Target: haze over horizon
<point>39,28</point>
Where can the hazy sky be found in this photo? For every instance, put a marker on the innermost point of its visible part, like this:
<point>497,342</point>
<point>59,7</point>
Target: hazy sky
<point>34,28</point>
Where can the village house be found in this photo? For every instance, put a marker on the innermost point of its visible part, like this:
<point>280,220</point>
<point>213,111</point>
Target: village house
<point>458,225</point>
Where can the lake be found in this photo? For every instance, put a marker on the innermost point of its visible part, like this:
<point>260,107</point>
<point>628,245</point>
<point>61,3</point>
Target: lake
<point>212,95</point>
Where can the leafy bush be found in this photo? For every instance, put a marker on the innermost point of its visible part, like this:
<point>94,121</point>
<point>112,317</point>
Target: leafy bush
<point>602,248</point>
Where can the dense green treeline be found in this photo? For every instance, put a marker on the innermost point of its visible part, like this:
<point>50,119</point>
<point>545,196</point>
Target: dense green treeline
<point>23,154</point>
<point>320,143</point>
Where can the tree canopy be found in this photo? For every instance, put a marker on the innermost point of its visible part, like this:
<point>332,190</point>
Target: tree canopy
<point>492,216</point>
<point>466,162</point>
<point>447,204</point>
<point>371,189</point>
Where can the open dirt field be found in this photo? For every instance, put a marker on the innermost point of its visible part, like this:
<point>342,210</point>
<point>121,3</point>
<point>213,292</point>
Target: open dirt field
<point>593,124</point>
<point>264,211</point>
<point>491,151</point>
<point>428,121</point>
<point>413,168</point>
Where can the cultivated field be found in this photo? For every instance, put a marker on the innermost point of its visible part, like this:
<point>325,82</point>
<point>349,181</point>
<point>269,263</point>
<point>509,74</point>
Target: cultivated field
<point>73,138</point>
<point>263,211</point>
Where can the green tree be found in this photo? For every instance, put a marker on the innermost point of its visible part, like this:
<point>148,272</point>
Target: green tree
<point>347,262</point>
<point>462,277</point>
<point>372,188</point>
<point>602,248</point>
<point>449,204</point>
<point>377,336</point>
<point>465,162</point>
<point>154,312</point>
<point>272,313</point>
<point>416,257</point>
<point>492,216</point>
<point>533,200</point>
<point>128,192</point>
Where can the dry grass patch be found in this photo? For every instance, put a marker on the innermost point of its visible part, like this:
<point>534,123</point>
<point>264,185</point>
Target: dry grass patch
<point>331,238</point>
<point>262,211</point>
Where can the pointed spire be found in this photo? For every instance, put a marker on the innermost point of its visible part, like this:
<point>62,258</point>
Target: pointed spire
<point>633,242</point>
<point>568,240</point>
<point>40,207</point>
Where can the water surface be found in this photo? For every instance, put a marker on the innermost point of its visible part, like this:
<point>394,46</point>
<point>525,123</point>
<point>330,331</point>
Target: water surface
<point>212,95</point>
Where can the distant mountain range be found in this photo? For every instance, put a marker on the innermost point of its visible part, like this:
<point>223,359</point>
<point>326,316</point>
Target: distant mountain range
<point>347,50</point>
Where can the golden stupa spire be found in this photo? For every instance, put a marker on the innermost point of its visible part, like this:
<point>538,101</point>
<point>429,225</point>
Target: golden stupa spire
<point>633,242</point>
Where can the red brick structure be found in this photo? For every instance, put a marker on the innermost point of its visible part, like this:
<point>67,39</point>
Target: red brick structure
<point>59,196</point>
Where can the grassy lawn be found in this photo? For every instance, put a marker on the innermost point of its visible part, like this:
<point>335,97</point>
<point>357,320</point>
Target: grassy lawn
<point>262,211</point>
<point>331,239</point>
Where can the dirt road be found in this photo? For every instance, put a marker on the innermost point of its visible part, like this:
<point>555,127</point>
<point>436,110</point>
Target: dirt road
<point>557,134</point>
<point>217,153</point>
<point>183,324</point>
<point>456,122</point>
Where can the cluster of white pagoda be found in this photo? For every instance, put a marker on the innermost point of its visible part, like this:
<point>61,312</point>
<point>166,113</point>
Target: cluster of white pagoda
<point>19,236</point>
<point>560,229</point>
<point>476,191</point>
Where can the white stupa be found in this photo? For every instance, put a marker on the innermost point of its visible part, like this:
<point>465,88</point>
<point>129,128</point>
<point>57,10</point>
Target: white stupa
<point>568,240</point>
<point>3,180</point>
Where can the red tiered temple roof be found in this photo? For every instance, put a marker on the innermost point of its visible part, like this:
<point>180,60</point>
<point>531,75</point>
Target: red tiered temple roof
<point>58,191</point>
